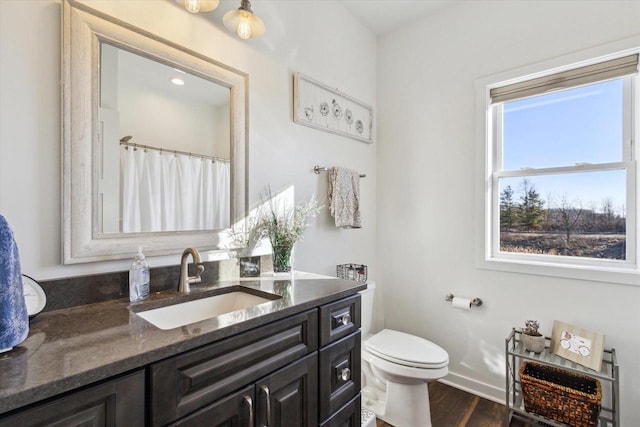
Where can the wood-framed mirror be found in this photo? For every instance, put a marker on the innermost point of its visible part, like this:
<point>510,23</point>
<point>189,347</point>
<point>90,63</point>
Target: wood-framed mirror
<point>147,163</point>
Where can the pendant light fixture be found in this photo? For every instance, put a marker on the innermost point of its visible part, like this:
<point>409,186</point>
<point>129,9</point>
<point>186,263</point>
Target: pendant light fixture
<point>195,6</point>
<point>244,22</point>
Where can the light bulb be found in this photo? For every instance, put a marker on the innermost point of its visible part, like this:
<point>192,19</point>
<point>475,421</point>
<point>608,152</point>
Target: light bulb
<point>192,6</point>
<point>244,26</point>
<point>244,22</point>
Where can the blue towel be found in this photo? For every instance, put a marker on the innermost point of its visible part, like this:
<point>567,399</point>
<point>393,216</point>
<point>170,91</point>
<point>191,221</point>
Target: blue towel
<point>14,319</point>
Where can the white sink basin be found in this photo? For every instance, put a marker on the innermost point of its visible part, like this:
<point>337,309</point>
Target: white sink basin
<point>173,316</point>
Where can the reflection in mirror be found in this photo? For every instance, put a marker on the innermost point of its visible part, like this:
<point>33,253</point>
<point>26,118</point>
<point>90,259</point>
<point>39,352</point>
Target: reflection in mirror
<point>165,151</point>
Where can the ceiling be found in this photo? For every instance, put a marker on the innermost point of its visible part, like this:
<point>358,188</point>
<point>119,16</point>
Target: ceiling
<point>385,16</point>
<point>151,75</point>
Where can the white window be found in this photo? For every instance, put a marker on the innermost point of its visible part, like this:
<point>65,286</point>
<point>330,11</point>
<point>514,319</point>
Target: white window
<point>560,174</point>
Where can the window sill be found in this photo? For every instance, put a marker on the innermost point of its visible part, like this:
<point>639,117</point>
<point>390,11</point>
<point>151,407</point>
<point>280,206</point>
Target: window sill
<point>623,275</point>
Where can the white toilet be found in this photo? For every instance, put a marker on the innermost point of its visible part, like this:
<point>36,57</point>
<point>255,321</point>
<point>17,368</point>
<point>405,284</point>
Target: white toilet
<point>396,370</point>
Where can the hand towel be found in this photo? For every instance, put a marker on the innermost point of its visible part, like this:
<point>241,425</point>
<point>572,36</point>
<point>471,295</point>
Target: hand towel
<point>344,197</point>
<point>14,319</point>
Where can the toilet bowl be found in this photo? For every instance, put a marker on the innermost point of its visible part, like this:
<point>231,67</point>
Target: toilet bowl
<point>396,370</point>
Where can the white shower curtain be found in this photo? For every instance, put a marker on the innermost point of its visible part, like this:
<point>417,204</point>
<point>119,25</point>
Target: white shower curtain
<point>169,192</point>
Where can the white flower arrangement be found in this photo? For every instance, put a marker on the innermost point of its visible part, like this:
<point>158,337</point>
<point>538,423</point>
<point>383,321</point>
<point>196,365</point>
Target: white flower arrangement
<point>283,225</point>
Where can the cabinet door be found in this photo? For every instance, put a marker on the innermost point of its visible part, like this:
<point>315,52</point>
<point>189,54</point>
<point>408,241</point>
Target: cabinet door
<point>118,402</point>
<point>188,382</point>
<point>339,374</point>
<point>289,397</point>
<point>235,410</point>
<point>348,416</point>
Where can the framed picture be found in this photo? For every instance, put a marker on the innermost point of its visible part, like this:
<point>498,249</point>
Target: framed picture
<point>250,266</point>
<point>318,106</point>
<point>577,344</point>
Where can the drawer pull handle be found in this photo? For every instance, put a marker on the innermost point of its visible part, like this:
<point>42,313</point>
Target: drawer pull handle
<point>249,401</point>
<point>344,320</point>
<point>344,374</point>
<point>267,395</point>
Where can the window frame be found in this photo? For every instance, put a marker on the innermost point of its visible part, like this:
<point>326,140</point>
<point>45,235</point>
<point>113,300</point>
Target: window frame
<point>489,121</point>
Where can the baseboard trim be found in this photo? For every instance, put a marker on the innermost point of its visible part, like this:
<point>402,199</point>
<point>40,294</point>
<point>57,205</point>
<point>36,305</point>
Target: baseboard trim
<point>475,387</point>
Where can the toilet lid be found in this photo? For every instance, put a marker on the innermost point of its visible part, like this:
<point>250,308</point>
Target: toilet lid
<point>406,349</point>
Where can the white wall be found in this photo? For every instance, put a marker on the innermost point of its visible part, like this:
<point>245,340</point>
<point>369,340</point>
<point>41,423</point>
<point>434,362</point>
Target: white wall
<point>160,120</point>
<point>222,132</point>
<point>427,189</point>
<point>332,48</point>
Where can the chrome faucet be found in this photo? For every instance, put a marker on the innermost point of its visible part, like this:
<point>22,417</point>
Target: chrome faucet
<point>185,279</point>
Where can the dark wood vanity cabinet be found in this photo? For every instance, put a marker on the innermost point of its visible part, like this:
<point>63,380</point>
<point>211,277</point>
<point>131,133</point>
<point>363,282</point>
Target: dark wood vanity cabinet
<point>190,381</point>
<point>288,397</point>
<point>300,371</point>
<point>117,402</point>
<point>339,367</point>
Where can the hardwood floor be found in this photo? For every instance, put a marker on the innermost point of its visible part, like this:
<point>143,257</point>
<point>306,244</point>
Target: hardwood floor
<point>451,407</point>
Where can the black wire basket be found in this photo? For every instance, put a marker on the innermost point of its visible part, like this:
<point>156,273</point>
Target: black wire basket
<point>357,272</point>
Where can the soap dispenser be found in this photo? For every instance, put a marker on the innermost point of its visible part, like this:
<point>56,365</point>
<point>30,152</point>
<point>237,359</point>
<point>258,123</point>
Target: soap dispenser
<point>139,278</point>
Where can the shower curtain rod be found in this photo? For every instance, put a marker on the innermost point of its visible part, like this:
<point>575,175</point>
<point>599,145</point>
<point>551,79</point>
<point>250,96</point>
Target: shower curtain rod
<point>162,150</point>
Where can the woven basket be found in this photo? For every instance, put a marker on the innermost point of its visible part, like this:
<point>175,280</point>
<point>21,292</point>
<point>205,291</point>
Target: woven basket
<point>560,395</point>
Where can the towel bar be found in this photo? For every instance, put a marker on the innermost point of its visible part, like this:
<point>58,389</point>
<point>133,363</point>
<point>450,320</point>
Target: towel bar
<point>318,169</point>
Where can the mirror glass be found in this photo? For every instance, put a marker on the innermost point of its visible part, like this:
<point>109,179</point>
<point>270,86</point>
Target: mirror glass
<point>165,147</point>
<point>147,162</point>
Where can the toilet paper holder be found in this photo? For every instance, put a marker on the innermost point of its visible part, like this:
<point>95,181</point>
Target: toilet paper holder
<point>476,301</point>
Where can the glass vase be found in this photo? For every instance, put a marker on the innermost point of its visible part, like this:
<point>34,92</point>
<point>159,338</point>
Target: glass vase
<point>282,258</point>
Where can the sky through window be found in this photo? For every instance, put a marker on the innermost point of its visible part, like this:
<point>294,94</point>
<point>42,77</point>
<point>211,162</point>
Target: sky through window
<point>579,125</point>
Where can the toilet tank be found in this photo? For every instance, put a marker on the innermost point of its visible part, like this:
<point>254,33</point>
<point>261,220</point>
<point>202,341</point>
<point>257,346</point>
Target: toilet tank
<point>367,297</point>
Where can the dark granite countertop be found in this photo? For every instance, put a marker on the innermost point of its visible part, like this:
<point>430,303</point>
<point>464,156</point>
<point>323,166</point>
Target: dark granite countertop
<point>74,347</point>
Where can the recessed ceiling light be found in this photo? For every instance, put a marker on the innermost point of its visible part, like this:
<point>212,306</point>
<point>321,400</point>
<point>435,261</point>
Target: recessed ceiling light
<point>178,82</point>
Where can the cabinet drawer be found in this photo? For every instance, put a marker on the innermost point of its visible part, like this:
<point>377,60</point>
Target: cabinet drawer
<point>237,409</point>
<point>190,381</point>
<point>339,374</point>
<point>118,402</point>
<point>348,416</point>
<point>339,319</point>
